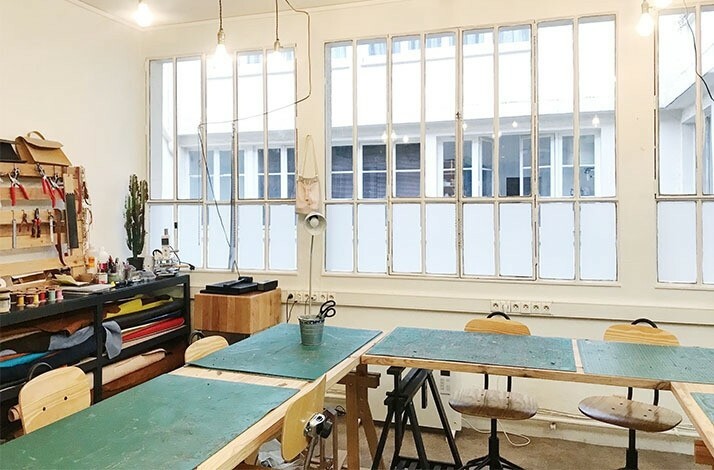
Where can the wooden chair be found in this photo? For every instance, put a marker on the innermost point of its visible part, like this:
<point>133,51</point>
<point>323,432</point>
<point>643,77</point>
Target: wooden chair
<point>494,404</point>
<point>53,396</point>
<point>203,347</point>
<point>294,439</point>
<point>625,412</point>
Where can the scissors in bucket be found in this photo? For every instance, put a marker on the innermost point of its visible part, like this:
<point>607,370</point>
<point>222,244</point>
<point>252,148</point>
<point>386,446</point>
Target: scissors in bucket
<point>327,310</point>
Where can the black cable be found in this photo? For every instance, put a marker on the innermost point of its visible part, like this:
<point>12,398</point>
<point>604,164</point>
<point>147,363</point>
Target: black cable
<point>289,314</point>
<point>696,55</point>
<point>277,38</point>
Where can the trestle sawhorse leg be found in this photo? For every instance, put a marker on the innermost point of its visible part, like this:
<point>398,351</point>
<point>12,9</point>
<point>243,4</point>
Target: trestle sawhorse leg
<point>356,385</point>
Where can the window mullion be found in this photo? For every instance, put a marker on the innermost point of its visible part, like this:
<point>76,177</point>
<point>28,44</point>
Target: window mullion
<point>576,143</point>
<point>496,150</point>
<point>459,150</point>
<point>390,160</point>
<point>422,149</point>
<point>534,152</point>
<point>356,158</point>
<point>203,151</point>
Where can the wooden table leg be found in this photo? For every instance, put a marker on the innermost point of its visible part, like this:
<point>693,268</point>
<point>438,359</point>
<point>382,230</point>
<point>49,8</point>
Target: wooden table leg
<point>352,420</point>
<point>702,455</point>
<point>370,431</point>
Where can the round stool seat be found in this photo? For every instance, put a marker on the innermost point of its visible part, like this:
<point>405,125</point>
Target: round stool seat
<point>494,404</point>
<point>629,414</point>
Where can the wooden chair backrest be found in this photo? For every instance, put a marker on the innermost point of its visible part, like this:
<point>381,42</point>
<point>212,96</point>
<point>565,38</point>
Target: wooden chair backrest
<point>203,347</point>
<point>311,400</point>
<point>53,396</point>
<point>643,334</point>
<point>497,325</point>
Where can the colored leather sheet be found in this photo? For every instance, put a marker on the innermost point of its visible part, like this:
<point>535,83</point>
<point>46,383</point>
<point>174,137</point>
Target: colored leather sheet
<point>533,352</point>
<point>663,363</point>
<point>171,422</point>
<point>152,328</point>
<point>277,351</point>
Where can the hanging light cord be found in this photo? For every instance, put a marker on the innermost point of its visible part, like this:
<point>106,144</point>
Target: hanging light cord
<point>277,39</point>
<point>220,15</point>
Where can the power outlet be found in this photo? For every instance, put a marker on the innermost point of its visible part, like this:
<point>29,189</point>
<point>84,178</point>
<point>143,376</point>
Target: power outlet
<point>445,382</point>
<point>526,307</point>
<point>547,308</point>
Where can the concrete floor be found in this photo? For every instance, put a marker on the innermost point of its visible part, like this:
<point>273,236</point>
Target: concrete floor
<point>540,454</point>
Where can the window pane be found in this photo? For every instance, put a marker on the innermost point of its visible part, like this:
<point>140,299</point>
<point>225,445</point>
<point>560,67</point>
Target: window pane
<point>218,237</point>
<point>338,60</point>
<point>555,97</point>
<point>251,237</point>
<point>707,104</point>
<point>283,238</point>
<point>516,240</point>
<point>514,104</point>
<point>190,234</point>
<point>598,242</point>
<point>406,238</point>
<point>338,238</point>
<point>478,90</point>
<point>479,240</point>
<point>374,172</point>
<point>556,237</point>
<point>677,162</point>
<point>708,242</point>
<point>281,120</point>
<point>250,125</point>
<point>440,113</point>
<point>371,238</point>
<point>219,114</point>
<point>372,118</point>
<point>441,238</point>
<point>406,112</point>
<point>676,242</point>
<point>161,123</point>
<point>188,117</point>
<point>596,49</point>
<point>161,216</point>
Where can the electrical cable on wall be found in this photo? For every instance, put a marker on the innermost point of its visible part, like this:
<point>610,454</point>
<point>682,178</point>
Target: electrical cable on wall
<point>696,55</point>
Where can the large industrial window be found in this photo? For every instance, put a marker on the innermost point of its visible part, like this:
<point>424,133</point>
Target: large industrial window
<point>685,196</point>
<point>474,153</point>
<point>222,160</point>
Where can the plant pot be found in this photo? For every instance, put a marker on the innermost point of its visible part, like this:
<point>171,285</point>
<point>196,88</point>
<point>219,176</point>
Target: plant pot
<point>137,262</point>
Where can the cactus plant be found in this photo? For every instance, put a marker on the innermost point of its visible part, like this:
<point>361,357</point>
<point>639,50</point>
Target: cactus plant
<point>134,212</point>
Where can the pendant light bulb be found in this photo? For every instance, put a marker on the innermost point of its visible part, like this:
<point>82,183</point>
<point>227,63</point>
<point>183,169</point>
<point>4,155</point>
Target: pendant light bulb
<point>142,15</point>
<point>220,56</point>
<point>645,25</point>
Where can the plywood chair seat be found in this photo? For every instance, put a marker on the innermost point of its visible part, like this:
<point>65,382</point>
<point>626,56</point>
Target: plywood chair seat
<point>496,404</point>
<point>52,396</point>
<point>203,347</point>
<point>629,414</point>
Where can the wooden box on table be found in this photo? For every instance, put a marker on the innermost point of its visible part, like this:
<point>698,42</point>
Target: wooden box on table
<point>243,314</point>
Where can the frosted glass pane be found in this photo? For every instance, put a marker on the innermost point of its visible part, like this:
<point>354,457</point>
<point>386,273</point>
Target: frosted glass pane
<point>441,239</point>
<point>161,126</point>
<point>283,238</point>
<point>371,238</point>
<point>479,240</point>
<point>406,241</point>
<point>190,235</point>
<point>557,241</point>
<point>598,242</point>
<point>251,237</point>
<point>676,242</point>
<point>218,237</point>
<point>160,217</point>
<point>188,116</point>
<point>339,241</point>
<point>516,240</point>
<point>708,242</point>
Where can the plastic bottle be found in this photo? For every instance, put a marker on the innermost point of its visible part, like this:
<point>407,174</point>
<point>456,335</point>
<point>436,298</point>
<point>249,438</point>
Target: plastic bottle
<point>92,260</point>
<point>102,260</point>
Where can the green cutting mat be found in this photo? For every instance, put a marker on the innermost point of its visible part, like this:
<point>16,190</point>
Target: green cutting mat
<point>664,363</point>
<point>277,351</point>
<point>533,352</point>
<point>706,403</point>
<point>169,422</point>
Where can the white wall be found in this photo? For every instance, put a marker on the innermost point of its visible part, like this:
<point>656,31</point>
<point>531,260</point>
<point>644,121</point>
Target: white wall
<point>78,77</point>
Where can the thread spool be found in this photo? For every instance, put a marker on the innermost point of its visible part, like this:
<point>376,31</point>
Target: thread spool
<point>42,295</point>
<point>20,300</point>
<point>59,294</point>
<point>51,295</point>
<point>29,299</point>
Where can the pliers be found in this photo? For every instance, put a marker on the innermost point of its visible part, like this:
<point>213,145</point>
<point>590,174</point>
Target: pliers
<point>48,186</point>
<point>14,183</point>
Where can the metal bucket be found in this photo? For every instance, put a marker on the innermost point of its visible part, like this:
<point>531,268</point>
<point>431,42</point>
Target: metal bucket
<point>311,328</point>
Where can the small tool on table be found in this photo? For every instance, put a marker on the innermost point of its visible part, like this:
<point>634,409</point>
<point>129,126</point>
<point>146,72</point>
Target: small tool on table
<point>15,183</point>
<point>327,310</point>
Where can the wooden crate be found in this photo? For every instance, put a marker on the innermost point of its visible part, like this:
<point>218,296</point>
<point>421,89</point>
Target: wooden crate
<point>245,314</point>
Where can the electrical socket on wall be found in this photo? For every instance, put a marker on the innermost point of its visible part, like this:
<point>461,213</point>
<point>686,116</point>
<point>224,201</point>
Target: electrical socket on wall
<point>301,297</point>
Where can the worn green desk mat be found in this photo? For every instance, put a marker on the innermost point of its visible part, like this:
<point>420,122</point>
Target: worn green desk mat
<point>663,363</point>
<point>533,352</point>
<point>277,351</point>
<point>169,422</point>
<point>706,403</point>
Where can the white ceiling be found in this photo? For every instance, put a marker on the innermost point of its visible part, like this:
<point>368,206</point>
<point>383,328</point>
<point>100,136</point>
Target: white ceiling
<point>168,12</point>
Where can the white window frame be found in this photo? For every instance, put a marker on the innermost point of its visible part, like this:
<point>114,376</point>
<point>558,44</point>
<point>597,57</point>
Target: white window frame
<point>459,200</point>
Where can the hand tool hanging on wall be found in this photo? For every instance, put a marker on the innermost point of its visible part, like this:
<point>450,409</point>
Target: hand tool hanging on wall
<point>14,230</point>
<point>14,176</point>
<point>36,225</point>
<point>46,186</point>
<point>56,184</point>
<point>58,245</point>
<point>24,222</point>
<point>70,202</point>
<point>51,220</point>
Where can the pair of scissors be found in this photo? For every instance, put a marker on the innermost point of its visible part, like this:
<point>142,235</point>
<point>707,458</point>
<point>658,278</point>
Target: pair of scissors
<point>327,310</point>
